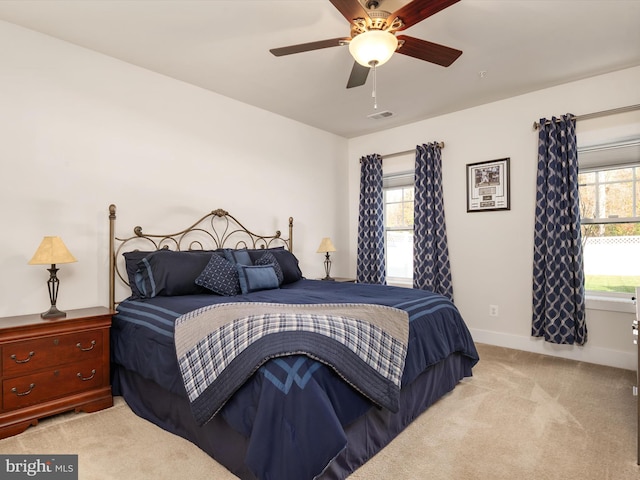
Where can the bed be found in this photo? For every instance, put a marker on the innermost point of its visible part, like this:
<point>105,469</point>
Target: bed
<point>219,338</point>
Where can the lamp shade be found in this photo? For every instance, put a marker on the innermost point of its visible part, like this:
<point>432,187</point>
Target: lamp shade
<point>373,47</point>
<point>326,246</point>
<point>52,250</point>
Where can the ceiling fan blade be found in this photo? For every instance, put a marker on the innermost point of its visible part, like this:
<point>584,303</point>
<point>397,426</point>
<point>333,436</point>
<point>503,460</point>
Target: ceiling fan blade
<point>428,51</point>
<point>418,10</point>
<point>350,9</point>
<point>306,47</point>
<point>358,75</point>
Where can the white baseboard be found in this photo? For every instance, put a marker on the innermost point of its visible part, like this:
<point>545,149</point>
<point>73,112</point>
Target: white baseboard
<point>598,355</point>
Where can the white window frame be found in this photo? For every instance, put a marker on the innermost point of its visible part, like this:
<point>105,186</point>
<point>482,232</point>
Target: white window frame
<point>610,301</point>
<point>396,180</point>
<point>636,181</point>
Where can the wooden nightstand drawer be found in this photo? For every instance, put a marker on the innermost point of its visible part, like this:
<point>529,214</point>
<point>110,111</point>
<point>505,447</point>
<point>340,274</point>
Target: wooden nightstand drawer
<point>53,366</point>
<point>20,358</point>
<point>31,389</point>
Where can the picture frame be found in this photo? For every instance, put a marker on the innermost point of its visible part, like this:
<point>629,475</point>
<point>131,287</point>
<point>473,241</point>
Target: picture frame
<point>488,186</point>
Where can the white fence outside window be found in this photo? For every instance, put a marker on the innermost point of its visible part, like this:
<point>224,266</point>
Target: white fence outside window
<point>612,256</point>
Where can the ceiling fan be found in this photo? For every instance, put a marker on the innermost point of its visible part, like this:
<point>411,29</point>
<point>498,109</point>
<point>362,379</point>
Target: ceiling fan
<point>373,40</point>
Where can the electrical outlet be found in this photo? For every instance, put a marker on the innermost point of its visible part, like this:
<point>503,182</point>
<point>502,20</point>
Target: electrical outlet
<point>493,310</point>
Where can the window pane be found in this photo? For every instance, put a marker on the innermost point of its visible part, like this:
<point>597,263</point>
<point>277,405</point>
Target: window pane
<point>617,200</point>
<point>399,207</point>
<point>399,254</point>
<point>612,257</point>
<point>616,175</point>
<point>610,194</point>
<point>408,214</point>
<point>589,177</point>
<point>587,201</point>
<point>393,215</point>
<point>394,195</point>
<point>408,194</point>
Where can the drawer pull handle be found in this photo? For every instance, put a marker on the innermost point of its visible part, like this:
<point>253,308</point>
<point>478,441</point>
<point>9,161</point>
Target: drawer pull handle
<point>93,344</point>
<point>84,379</point>
<point>31,354</point>
<point>15,390</point>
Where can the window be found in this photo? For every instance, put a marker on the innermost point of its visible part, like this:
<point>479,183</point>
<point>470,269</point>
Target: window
<point>398,225</point>
<point>610,218</point>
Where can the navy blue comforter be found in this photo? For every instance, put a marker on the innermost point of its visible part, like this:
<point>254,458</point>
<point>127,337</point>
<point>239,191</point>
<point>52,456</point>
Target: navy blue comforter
<point>293,409</point>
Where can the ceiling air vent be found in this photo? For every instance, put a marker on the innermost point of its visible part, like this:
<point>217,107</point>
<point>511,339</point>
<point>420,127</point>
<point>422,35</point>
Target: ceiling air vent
<point>379,115</point>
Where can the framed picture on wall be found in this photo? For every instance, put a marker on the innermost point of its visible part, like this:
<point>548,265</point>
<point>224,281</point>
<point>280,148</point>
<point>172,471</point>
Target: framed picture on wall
<point>488,186</point>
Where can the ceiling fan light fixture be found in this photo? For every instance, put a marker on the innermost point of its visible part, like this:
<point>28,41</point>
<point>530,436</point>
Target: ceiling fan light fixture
<point>373,47</point>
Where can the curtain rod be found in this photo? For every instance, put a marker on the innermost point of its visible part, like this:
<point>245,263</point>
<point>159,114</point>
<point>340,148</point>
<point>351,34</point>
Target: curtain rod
<point>603,113</point>
<point>397,154</point>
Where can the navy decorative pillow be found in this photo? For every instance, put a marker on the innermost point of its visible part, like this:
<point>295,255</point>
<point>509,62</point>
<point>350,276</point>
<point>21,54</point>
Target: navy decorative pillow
<point>257,277</point>
<point>240,257</point>
<point>268,259</point>
<point>287,261</point>
<point>131,260</point>
<point>169,273</point>
<point>220,276</point>
<point>289,265</point>
<point>256,253</point>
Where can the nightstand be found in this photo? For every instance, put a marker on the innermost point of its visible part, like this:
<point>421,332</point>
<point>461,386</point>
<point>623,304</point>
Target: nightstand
<point>52,366</point>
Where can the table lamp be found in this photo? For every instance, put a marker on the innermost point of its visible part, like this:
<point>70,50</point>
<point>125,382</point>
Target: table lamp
<point>326,246</point>
<point>52,251</point>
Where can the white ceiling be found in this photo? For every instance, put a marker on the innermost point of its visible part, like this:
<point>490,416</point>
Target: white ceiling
<point>223,46</point>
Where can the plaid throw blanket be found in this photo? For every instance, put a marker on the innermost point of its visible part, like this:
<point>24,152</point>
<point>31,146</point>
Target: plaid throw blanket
<point>220,346</point>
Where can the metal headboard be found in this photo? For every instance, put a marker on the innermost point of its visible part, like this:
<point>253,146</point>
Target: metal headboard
<point>217,229</point>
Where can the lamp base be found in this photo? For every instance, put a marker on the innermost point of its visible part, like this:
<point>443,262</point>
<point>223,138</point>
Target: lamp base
<point>327,267</point>
<point>52,313</point>
<point>328,278</point>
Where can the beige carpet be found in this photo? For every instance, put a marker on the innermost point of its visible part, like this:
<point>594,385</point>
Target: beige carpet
<point>522,416</point>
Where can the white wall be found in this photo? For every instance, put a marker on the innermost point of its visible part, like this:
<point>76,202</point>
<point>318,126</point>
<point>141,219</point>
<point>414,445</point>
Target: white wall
<point>492,252</point>
<point>81,130</point>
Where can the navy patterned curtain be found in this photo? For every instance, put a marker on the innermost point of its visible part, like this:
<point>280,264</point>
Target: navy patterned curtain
<point>370,263</point>
<point>431,270</point>
<point>558,275</point>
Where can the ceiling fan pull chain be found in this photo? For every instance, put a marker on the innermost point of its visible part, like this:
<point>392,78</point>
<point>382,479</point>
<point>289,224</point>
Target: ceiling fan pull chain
<point>373,93</point>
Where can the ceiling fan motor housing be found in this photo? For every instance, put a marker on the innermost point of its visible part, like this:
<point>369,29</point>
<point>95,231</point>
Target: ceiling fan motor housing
<point>377,21</point>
